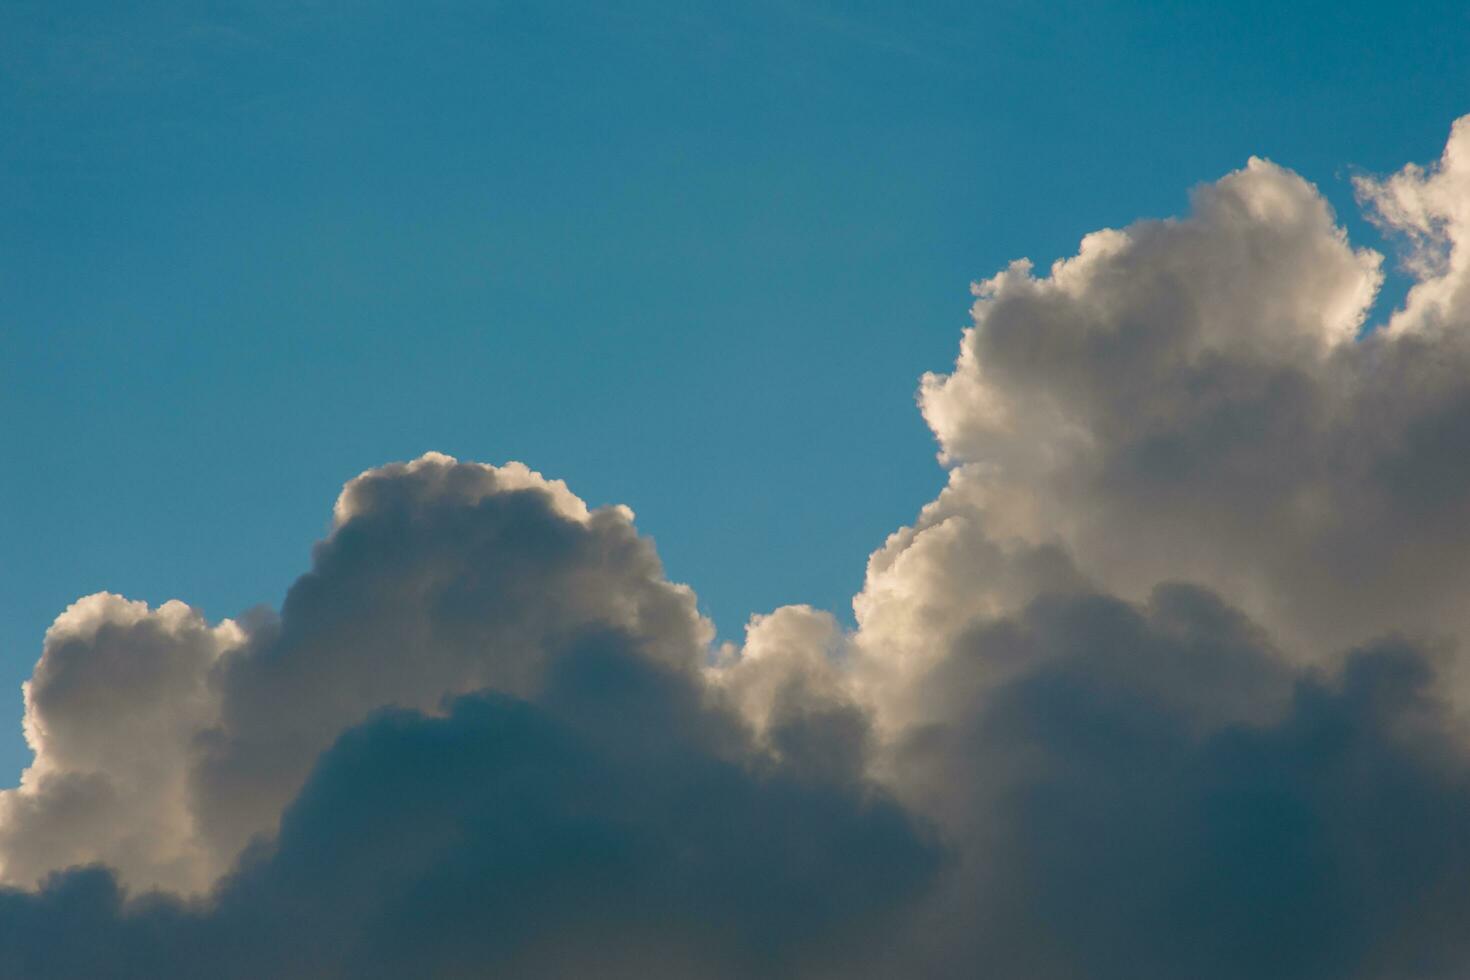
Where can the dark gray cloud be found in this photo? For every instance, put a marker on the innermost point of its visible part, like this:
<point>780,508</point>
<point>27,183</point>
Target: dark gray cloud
<point>164,745</point>
<point>615,827</point>
<point>1143,792</point>
<point>441,578</point>
<point>1149,793</point>
<point>1168,682</point>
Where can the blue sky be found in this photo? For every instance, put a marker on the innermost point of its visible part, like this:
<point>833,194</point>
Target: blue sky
<point>689,257</point>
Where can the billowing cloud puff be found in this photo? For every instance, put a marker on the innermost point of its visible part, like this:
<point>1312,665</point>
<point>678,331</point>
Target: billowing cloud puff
<point>438,579</point>
<point>1168,681</point>
<point>613,828</point>
<point>1148,791</point>
<point>1432,209</point>
<point>115,703</point>
<point>1191,400</point>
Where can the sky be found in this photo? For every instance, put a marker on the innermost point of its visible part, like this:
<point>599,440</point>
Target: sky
<point>692,258</point>
<point>688,257</point>
<point>713,262</point>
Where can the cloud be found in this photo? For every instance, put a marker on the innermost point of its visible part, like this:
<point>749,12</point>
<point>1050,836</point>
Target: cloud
<point>111,710</point>
<point>1189,400</point>
<point>1432,209</point>
<point>517,839</point>
<point>1146,791</point>
<point>1168,681</point>
<point>439,578</point>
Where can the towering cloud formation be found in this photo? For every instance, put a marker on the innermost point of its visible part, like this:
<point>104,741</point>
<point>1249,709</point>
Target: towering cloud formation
<point>1167,682</point>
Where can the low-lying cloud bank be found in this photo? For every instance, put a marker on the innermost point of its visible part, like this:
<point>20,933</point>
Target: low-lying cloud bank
<point>1168,682</point>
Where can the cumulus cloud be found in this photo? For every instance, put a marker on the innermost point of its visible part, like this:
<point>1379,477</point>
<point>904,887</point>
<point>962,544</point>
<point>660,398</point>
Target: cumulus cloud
<point>1189,399</point>
<point>611,828</point>
<point>1147,791</point>
<point>1431,208</point>
<point>439,578</point>
<point>118,696</point>
<point>1168,680</point>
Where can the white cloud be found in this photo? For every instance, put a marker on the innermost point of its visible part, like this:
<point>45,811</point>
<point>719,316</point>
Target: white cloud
<point>115,702</point>
<point>1432,209</point>
<point>1187,399</point>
